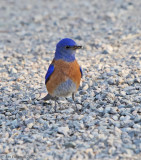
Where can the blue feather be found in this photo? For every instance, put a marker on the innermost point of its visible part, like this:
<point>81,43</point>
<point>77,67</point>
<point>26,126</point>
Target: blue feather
<point>81,72</point>
<point>49,72</point>
<point>63,53</point>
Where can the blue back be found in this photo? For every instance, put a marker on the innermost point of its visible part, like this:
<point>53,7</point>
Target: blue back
<point>49,72</point>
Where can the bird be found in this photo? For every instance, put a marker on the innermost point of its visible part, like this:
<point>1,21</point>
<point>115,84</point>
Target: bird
<point>64,73</point>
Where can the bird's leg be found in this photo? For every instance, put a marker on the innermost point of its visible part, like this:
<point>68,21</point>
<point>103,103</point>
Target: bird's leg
<point>55,107</point>
<point>48,97</point>
<point>74,101</point>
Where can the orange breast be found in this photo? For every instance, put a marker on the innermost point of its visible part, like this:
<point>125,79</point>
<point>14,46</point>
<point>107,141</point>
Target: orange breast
<point>62,72</point>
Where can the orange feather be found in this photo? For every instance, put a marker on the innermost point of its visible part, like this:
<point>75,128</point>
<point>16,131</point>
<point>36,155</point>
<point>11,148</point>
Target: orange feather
<point>62,72</point>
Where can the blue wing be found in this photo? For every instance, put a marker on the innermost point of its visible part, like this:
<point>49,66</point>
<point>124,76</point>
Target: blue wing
<point>81,72</point>
<point>49,72</point>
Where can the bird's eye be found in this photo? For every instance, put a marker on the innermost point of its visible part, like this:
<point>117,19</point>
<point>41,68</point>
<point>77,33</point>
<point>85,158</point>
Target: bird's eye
<point>67,47</point>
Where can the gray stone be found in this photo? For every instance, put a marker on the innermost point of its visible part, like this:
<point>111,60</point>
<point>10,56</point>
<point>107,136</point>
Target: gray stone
<point>13,70</point>
<point>115,117</point>
<point>137,126</point>
<point>105,52</point>
<point>85,87</point>
<point>70,145</point>
<point>15,123</point>
<point>63,130</point>
<point>111,81</point>
<point>28,121</point>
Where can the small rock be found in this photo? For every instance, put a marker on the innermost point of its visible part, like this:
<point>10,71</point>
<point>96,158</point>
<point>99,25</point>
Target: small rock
<point>28,121</point>
<point>15,124</point>
<point>19,153</point>
<point>100,109</point>
<point>115,117</point>
<point>111,81</point>
<point>105,52</point>
<point>63,130</point>
<point>70,145</point>
<point>79,106</point>
<point>85,87</point>
<point>82,92</point>
<point>136,126</point>
<point>30,125</point>
<point>6,150</point>
<point>112,150</point>
<point>13,70</point>
<point>38,18</point>
<point>113,111</point>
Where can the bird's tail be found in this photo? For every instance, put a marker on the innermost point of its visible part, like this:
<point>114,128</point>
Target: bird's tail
<point>48,97</point>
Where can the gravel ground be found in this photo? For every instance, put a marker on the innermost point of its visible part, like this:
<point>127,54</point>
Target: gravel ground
<point>108,124</point>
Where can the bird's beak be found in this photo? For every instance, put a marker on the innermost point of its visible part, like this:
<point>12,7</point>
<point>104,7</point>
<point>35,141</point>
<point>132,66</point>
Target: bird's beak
<point>77,47</point>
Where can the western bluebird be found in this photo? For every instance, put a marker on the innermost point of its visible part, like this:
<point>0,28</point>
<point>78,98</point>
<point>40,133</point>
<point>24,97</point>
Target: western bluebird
<point>64,73</point>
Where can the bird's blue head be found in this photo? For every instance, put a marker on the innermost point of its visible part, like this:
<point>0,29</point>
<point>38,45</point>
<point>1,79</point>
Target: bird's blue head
<point>66,50</point>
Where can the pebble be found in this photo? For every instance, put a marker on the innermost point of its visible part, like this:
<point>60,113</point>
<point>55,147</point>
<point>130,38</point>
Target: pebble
<point>63,130</point>
<point>15,123</point>
<point>137,126</point>
<point>29,121</point>
<point>19,153</point>
<point>115,117</point>
<point>85,87</point>
<point>70,145</point>
<point>113,111</point>
<point>83,92</point>
<point>105,52</point>
<point>111,81</point>
<point>13,70</point>
<point>79,107</point>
